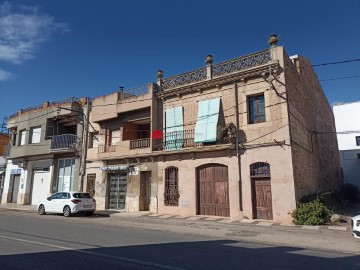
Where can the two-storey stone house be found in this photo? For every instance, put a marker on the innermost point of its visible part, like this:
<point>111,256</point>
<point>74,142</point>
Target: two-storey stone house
<point>245,138</point>
<point>45,150</point>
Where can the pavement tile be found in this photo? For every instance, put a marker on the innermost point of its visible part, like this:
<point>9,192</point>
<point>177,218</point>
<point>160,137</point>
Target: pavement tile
<point>179,217</point>
<point>264,223</point>
<point>166,216</point>
<point>247,221</point>
<point>307,227</point>
<point>287,225</point>
<point>227,220</point>
<point>337,228</point>
<point>154,215</point>
<point>194,218</point>
<point>212,219</point>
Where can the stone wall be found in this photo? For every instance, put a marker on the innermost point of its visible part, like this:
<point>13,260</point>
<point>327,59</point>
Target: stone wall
<point>314,145</point>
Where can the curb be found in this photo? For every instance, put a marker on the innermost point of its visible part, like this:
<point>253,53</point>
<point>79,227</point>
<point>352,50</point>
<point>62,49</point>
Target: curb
<point>248,221</point>
<point>262,223</point>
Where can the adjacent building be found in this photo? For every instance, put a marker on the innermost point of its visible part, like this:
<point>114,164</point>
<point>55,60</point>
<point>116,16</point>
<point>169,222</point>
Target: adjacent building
<point>4,141</point>
<point>120,167</point>
<point>245,138</point>
<point>347,119</point>
<point>45,150</point>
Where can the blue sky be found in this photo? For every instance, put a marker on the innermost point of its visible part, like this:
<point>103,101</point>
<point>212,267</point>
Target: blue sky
<point>51,50</point>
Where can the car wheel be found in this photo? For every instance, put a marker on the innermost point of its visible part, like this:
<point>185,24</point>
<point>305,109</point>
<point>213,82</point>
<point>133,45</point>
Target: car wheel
<point>89,213</point>
<point>67,211</point>
<point>41,210</point>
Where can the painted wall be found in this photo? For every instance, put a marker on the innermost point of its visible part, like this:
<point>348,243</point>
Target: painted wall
<point>6,192</point>
<point>347,118</point>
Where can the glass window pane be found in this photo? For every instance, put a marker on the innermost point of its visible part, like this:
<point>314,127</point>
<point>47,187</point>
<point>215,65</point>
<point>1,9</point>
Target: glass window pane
<point>35,135</point>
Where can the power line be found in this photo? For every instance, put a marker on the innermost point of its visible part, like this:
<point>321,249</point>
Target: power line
<point>340,78</point>
<point>336,63</point>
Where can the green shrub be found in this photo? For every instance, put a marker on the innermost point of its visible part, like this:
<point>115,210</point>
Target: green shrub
<point>311,213</point>
<point>331,200</point>
<point>350,192</point>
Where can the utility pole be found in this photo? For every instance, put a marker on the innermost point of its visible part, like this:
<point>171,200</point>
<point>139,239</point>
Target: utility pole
<point>85,140</point>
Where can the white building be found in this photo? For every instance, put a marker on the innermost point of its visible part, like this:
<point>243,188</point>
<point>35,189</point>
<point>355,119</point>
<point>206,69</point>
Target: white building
<point>347,121</point>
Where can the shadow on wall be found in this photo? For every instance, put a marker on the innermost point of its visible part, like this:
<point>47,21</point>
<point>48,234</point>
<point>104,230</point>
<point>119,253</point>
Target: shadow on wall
<point>222,254</point>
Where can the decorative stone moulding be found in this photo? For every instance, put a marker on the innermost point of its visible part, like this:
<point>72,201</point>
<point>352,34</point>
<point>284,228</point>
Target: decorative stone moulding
<point>160,74</point>
<point>273,40</point>
<point>209,59</point>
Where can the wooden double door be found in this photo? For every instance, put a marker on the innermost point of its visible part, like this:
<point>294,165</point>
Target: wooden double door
<point>213,190</point>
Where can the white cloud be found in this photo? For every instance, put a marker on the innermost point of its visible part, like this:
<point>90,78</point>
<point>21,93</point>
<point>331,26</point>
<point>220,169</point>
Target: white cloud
<point>4,75</point>
<point>22,30</point>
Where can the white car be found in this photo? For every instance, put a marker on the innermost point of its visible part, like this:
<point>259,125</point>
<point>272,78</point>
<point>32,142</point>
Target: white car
<point>355,224</point>
<point>68,203</point>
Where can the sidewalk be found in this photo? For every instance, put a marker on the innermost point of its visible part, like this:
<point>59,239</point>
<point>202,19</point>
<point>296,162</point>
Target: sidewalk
<point>220,220</point>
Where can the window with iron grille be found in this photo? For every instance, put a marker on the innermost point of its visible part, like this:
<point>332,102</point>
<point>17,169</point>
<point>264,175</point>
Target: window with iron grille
<point>256,105</point>
<point>260,169</point>
<point>171,195</point>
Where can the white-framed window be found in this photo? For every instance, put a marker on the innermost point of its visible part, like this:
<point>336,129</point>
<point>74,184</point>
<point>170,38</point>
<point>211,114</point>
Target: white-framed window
<point>357,138</point>
<point>35,135</point>
<point>22,137</point>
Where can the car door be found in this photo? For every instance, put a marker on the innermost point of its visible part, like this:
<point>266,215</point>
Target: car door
<point>51,202</point>
<point>62,201</point>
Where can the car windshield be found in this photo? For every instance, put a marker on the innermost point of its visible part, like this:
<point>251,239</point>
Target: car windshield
<point>82,195</point>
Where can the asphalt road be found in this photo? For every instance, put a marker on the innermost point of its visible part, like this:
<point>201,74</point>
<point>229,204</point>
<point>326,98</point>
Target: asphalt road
<point>30,241</point>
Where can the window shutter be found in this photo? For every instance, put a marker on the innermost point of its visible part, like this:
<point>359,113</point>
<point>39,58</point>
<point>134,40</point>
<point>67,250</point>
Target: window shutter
<point>207,120</point>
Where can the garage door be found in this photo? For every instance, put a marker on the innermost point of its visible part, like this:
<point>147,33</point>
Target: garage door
<point>40,186</point>
<point>213,190</point>
<point>15,188</point>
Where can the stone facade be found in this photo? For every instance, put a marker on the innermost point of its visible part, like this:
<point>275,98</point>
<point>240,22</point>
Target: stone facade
<point>293,140</point>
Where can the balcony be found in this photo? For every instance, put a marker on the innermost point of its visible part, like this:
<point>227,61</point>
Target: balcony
<point>140,143</point>
<point>102,148</point>
<point>185,139</point>
<point>125,149</point>
<point>64,143</point>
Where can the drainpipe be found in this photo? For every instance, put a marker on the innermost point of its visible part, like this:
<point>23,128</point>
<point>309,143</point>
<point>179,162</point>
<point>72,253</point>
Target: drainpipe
<point>237,145</point>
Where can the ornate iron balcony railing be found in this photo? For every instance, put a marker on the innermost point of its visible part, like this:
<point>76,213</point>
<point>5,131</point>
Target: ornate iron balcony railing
<point>185,78</point>
<point>185,139</point>
<point>241,63</point>
<point>217,70</point>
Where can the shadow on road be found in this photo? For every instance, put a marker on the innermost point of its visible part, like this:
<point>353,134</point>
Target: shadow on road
<point>222,254</point>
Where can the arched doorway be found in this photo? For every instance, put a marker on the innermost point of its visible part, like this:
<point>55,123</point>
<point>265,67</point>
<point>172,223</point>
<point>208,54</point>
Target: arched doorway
<point>213,190</point>
<point>261,190</point>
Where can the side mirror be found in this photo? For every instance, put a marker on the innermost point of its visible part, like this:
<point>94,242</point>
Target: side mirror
<point>48,198</point>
